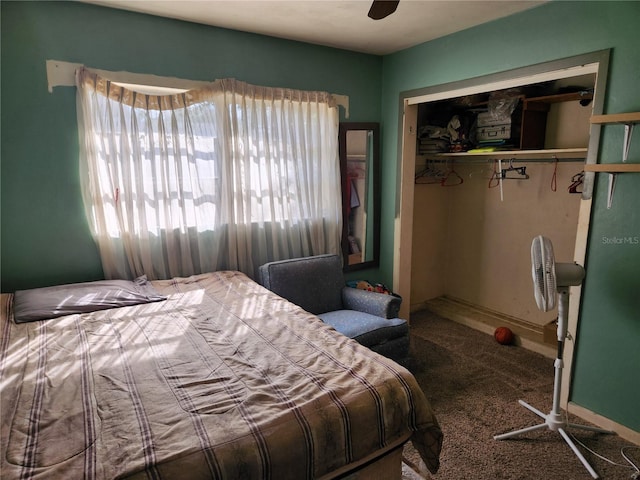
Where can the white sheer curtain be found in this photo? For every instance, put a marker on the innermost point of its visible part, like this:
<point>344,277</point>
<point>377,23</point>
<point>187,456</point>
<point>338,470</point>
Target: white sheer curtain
<point>224,177</point>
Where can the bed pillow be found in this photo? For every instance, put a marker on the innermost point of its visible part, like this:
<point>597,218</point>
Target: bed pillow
<point>52,302</point>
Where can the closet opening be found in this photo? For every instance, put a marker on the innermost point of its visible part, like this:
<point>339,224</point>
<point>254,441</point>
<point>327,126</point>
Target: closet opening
<point>478,181</point>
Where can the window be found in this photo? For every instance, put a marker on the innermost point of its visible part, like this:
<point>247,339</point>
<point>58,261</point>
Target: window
<point>228,176</point>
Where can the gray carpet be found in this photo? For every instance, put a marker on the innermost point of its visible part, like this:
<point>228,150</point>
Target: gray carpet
<point>474,385</point>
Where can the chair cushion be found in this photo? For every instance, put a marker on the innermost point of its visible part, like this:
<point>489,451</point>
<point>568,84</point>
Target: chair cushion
<point>368,330</point>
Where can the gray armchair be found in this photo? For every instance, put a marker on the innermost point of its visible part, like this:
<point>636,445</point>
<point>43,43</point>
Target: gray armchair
<point>317,285</point>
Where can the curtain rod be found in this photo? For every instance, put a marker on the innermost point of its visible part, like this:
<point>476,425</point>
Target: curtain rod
<point>62,74</point>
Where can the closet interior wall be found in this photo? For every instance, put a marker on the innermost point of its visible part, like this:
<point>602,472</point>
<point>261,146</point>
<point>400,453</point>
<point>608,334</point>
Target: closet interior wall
<point>471,246</point>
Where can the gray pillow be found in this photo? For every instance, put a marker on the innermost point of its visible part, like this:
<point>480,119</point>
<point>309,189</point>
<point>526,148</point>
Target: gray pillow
<point>52,302</point>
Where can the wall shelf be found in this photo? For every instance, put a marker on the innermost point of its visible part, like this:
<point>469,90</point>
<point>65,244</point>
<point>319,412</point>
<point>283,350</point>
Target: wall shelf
<point>628,120</point>
<point>612,167</point>
<point>624,118</point>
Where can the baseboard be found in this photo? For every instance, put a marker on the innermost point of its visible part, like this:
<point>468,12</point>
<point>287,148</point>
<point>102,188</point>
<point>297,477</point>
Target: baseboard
<point>527,335</point>
<point>605,423</point>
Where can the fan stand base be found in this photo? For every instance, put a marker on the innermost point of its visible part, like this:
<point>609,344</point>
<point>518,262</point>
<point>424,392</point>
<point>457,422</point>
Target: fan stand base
<point>556,422</point>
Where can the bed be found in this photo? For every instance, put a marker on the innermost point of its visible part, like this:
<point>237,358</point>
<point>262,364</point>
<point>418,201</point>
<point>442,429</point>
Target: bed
<point>222,379</point>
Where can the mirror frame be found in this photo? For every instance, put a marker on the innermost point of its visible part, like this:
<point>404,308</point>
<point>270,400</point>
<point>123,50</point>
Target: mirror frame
<point>375,171</point>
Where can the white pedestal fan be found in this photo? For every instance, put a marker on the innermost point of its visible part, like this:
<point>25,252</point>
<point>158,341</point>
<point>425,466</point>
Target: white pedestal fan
<point>550,281</point>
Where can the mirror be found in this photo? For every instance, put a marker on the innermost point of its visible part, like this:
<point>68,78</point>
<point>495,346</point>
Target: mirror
<point>359,165</point>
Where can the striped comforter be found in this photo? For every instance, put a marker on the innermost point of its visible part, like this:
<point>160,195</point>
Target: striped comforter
<point>222,380</point>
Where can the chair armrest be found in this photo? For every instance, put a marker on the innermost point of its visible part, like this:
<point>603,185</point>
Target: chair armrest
<point>379,304</point>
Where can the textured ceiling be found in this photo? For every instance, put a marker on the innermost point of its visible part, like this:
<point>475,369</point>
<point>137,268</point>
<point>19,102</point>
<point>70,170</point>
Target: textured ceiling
<point>340,24</point>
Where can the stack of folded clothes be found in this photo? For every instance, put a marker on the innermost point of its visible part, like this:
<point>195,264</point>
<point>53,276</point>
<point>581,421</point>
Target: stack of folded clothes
<point>433,139</point>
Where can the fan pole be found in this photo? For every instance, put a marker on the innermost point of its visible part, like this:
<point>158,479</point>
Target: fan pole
<point>555,420</point>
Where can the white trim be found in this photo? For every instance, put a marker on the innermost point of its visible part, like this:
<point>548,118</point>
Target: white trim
<point>62,74</point>
<point>594,63</point>
<point>343,101</point>
<point>509,83</point>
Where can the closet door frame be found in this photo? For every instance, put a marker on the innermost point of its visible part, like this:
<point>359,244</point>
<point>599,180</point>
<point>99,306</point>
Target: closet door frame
<point>595,62</point>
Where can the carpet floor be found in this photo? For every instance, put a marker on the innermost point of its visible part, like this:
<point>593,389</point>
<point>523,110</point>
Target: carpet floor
<point>474,385</point>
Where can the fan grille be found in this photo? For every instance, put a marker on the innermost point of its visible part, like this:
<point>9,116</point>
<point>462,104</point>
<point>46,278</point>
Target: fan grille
<point>544,273</point>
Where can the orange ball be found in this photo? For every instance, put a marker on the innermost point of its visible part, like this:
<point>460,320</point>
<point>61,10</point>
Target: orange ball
<point>503,336</point>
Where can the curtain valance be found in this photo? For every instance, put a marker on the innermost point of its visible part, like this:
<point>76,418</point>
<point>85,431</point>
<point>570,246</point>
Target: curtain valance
<point>132,97</point>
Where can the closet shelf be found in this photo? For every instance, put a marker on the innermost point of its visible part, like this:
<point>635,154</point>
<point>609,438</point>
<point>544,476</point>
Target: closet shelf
<point>565,153</point>
<point>561,97</point>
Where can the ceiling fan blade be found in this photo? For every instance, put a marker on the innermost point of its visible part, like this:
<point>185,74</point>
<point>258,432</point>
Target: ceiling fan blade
<point>382,8</point>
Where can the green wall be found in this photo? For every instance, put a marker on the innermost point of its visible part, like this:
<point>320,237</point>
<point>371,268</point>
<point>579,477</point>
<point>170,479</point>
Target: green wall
<point>607,364</point>
<point>45,237</point>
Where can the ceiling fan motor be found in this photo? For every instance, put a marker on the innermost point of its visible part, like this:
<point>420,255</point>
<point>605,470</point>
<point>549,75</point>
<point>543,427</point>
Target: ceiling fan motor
<point>382,8</point>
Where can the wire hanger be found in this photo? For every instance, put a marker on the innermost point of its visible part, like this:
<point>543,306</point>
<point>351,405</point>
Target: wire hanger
<point>429,175</point>
<point>576,181</point>
<point>494,180</point>
<point>451,178</point>
<point>554,177</point>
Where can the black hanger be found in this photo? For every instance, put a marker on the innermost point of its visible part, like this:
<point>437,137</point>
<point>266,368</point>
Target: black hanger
<point>520,172</point>
<point>576,181</point>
